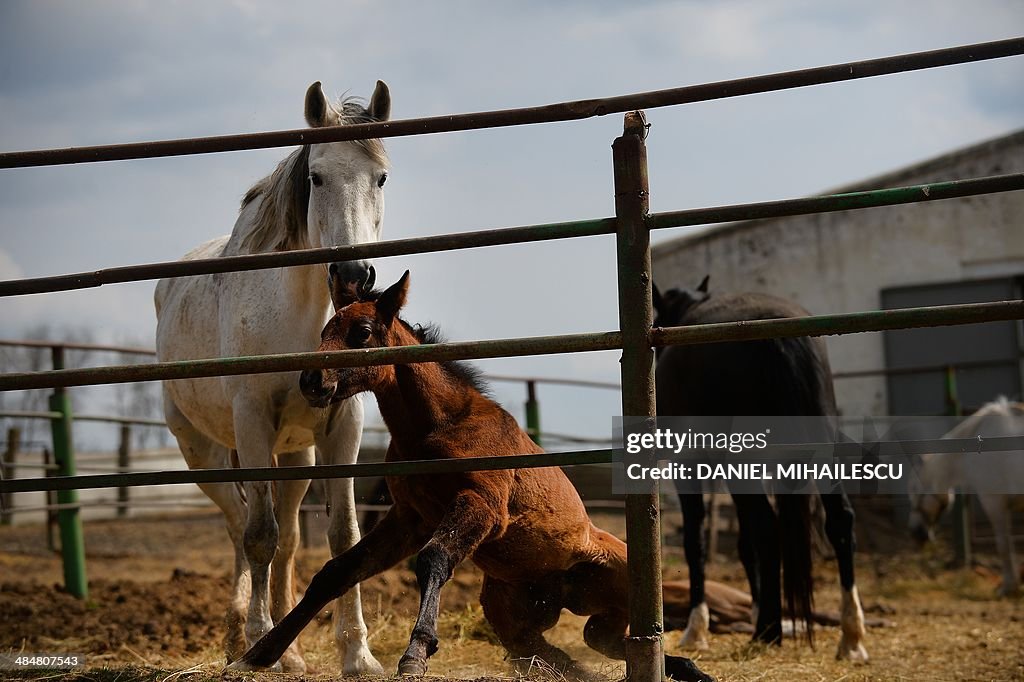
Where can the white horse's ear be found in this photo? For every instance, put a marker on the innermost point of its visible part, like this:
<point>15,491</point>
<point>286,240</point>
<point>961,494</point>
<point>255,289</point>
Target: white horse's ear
<point>319,112</point>
<point>380,102</point>
<point>393,298</point>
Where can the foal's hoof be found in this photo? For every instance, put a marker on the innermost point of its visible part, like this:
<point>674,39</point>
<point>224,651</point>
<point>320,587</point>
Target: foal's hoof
<point>684,670</point>
<point>855,653</point>
<point>414,667</point>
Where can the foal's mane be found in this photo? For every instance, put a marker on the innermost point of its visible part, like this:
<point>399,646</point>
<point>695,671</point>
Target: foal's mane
<point>280,223</point>
<point>462,372</point>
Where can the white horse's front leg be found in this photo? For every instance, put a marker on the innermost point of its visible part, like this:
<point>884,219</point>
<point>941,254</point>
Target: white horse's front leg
<point>254,441</point>
<point>851,622</point>
<point>340,445</point>
<point>282,570</point>
<point>998,513</point>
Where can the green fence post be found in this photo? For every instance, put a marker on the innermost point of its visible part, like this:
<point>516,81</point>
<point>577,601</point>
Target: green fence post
<point>645,653</point>
<point>532,412</point>
<point>961,503</point>
<point>72,543</point>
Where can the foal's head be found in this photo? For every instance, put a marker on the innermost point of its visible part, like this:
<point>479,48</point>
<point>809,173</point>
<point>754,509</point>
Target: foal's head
<point>361,320</point>
<point>670,307</point>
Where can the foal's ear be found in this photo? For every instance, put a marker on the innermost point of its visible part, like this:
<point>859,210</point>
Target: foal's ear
<point>393,298</point>
<point>703,288</point>
<point>380,102</point>
<point>342,293</point>
<point>319,112</point>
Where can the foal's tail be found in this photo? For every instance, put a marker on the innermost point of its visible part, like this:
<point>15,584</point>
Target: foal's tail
<point>797,579</point>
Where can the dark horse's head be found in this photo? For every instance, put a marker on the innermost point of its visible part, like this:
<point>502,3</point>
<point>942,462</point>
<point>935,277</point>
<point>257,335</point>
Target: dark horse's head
<point>671,307</point>
<point>361,320</point>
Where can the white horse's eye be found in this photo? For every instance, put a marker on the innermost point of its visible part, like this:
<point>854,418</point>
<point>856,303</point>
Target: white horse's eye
<point>383,179</point>
<point>316,179</point>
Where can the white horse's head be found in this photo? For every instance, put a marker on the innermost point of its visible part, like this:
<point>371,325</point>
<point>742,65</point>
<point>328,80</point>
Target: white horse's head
<point>346,181</point>
<point>925,511</point>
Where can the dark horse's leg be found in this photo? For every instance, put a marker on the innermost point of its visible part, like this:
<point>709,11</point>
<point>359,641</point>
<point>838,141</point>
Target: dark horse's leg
<point>759,542</point>
<point>695,547</point>
<point>839,519</point>
<point>465,525</point>
<point>397,536</point>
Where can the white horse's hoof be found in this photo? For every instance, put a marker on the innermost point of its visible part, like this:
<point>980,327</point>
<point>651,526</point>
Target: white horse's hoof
<point>695,636</point>
<point>853,653</point>
<point>292,662</point>
<point>242,666</point>
<point>362,663</point>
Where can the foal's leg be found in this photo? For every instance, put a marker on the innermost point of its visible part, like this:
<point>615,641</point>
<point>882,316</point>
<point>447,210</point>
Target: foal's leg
<point>467,523</point>
<point>282,569</point>
<point>698,626</point>
<point>397,536</point>
<point>839,519</point>
<point>520,615</point>
<point>339,444</point>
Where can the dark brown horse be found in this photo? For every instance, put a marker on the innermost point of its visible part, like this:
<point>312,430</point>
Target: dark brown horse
<point>526,529</point>
<point>772,377</point>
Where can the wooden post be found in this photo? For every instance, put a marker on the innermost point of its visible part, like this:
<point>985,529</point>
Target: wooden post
<point>532,412</point>
<point>51,501</point>
<point>10,460</point>
<point>123,464</point>
<point>961,502</point>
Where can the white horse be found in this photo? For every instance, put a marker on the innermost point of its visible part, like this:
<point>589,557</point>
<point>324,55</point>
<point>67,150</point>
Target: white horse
<point>977,473</point>
<point>320,195</point>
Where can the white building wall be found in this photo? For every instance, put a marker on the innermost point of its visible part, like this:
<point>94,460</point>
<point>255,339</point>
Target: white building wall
<point>839,262</point>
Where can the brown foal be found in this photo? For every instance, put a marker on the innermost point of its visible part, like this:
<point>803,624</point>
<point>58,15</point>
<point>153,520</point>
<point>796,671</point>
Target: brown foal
<point>526,529</point>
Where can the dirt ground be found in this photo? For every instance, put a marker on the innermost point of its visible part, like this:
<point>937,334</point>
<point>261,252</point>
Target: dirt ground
<point>157,590</point>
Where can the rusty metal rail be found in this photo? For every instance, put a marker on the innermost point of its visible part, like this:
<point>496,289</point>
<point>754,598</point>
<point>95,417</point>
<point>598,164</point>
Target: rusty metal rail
<point>819,325</point>
<point>516,235</point>
<point>564,111</point>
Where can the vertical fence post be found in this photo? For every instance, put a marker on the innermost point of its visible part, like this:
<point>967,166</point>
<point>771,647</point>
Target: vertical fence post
<point>532,412</point>
<point>51,502</point>
<point>645,660</point>
<point>124,454</point>
<point>72,544</point>
<point>10,460</point>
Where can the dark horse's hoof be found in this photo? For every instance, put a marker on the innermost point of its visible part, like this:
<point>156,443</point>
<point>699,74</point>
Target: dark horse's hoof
<point>412,667</point>
<point>684,670</point>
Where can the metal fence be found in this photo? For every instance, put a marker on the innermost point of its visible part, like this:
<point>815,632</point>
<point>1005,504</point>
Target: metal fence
<point>631,225</point>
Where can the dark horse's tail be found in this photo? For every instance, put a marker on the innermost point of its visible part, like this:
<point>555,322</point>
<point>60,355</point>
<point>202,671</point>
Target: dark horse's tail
<point>797,576</point>
<point>811,394</point>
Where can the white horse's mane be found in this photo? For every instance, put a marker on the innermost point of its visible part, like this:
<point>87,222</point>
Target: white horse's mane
<point>1001,406</point>
<point>280,222</point>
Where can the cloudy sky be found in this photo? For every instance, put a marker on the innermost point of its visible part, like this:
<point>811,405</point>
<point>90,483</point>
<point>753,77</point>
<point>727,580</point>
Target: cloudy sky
<point>81,73</point>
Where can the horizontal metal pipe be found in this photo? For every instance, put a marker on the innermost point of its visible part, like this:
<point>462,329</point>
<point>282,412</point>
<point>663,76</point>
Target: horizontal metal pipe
<point>819,325</point>
<point>887,448</point>
<point>36,343</point>
<point>513,235</point>
<point>586,383</point>
<point>417,467</point>
<point>839,202</point>
<point>291,362</point>
<point>922,369</point>
<point>845,323</point>
<point>564,111</point>
<point>394,247</point>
